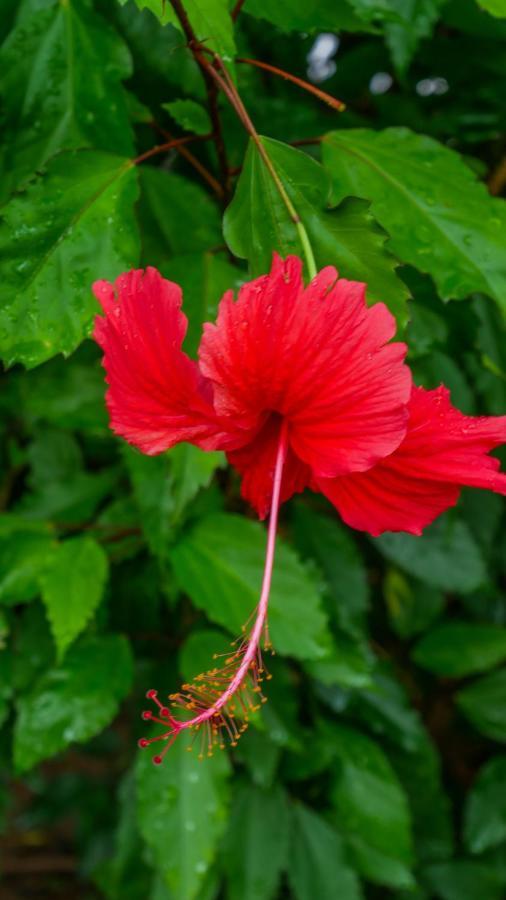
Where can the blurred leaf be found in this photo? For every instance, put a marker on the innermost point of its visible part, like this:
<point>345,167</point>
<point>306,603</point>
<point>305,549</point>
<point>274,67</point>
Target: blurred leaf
<point>194,220</point>
<point>182,810</point>
<point>416,21</point>
<point>66,393</point>
<point>256,844</point>
<point>257,223</point>
<point>456,649</point>
<point>348,663</point>
<point>439,368</point>
<point>73,701</point>
<point>219,564</point>
<point>25,549</point>
<point>57,92</point>
<point>61,489</point>
<point>484,703</point>
<point>495,7</point>
<point>72,587</point>
<point>335,551</point>
<point>204,278</point>
<point>318,865</point>
<point>260,755</point>
<point>33,647</point>
<point>419,771</point>
<point>445,556</point>
<point>485,813</point>
<point>372,810</point>
<point>440,218</point>
<point>302,16</point>
<point>164,485</point>
<point>189,115</point>
<point>71,225</point>
<point>412,606</point>
<point>464,880</point>
<point>196,654</point>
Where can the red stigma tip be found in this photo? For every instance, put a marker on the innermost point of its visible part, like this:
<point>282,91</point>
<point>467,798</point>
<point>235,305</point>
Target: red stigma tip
<point>165,712</point>
<point>146,714</point>
<point>157,760</point>
<point>143,742</point>
<point>152,694</point>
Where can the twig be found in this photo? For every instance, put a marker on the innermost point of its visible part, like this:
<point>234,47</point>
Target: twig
<point>170,145</point>
<point>305,85</point>
<point>236,10</point>
<point>188,155</point>
<point>212,94</point>
<point>497,179</point>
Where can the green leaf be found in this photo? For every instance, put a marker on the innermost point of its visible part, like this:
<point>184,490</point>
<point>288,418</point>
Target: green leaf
<point>181,212</point>
<point>60,488</point>
<point>318,865</point>
<point>219,564</point>
<point>204,278</point>
<point>164,485</point>
<point>160,8</point>
<point>60,79</point>
<point>494,7</point>
<point>412,606</point>
<point>335,551</point>
<point>484,703</point>
<point>25,549</point>
<point>72,587</point>
<point>372,810</point>
<point>446,556</point>
<point>456,649</point>
<point>416,21</point>
<point>74,701</point>
<point>440,218</point>
<point>256,844</point>
<point>209,19</point>
<point>72,225</point>
<point>257,223</point>
<point>307,17</point>
<point>463,879</point>
<point>348,663</point>
<point>182,812</point>
<point>191,116</point>
<point>485,812</point>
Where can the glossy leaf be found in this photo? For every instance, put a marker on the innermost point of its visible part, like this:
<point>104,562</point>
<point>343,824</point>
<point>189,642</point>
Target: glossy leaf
<point>307,17</point>
<point>57,94</point>
<point>257,223</point>
<point>182,812</point>
<point>219,565</point>
<point>72,587</point>
<point>74,701</point>
<point>210,20</point>
<point>72,225</point>
<point>416,21</point>
<point>430,203</point>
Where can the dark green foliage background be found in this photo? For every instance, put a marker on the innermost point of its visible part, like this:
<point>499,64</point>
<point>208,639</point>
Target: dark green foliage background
<point>377,768</point>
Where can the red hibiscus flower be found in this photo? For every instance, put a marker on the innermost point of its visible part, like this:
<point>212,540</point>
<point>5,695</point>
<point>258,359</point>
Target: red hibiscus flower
<point>301,387</point>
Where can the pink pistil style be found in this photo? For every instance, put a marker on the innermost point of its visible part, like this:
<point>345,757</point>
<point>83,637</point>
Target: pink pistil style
<point>222,693</point>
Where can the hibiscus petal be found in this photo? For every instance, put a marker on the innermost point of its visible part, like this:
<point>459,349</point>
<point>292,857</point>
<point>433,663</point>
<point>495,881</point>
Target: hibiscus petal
<point>157,396</point>
<point>443,451</point>
<point>317,356</point>
<point>256,463</point>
